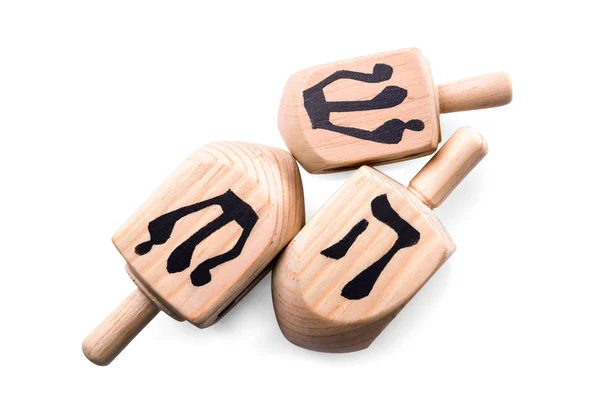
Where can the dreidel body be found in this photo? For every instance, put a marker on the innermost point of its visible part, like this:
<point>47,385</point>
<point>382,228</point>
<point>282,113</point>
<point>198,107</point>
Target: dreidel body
<point>375,109</point>
<point>367,252</point>
<point>203,239</point>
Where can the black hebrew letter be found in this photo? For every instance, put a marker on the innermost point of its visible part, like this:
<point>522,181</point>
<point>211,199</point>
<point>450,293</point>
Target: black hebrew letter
<point>319,109</point>
<point>361,286</point>
<point>160,229</point>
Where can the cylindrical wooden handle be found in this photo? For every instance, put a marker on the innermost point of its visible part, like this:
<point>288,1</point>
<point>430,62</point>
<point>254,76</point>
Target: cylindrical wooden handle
<point>448,167</point>
<point>119,328</point>
<point>485,91</point>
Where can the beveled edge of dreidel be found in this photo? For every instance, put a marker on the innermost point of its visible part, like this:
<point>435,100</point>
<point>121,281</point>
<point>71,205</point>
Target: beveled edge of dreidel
<point>315,147</point>
<point>301,316</point>
<point>273,170</point>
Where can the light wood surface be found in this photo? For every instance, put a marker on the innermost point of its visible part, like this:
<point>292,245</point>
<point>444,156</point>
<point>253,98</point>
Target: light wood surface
<point>485,91</point>
<point>119,328</point>
<point>207,234</point>
<point>366,253</point>
<point>350,113</point>
<point>442,174</point>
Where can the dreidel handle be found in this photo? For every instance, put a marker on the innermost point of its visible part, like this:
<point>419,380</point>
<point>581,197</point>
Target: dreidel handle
<point>119,328</point>
<point>448,167</point>
<point>485,91</point>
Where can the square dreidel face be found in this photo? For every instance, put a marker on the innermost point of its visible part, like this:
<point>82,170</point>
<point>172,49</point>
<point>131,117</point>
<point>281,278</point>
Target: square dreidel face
<point>368,110</point>
<point>203,236</point>
<point>360,259</point>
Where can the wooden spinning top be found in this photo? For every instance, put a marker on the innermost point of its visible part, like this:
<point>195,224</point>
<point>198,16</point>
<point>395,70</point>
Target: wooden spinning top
<point>203,239</point>
<point>367,252</point>
<point>376,109</point>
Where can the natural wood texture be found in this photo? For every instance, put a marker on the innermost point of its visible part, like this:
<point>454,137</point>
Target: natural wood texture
<point>119,328</point>
<point>366,93</point>
<point>448,167</point>
<point>208,232</point>
<point>485,91</point>
<point>317,301</point>
<point>322,150</point>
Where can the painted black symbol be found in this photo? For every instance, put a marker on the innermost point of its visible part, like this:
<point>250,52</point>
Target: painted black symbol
<point>363,283</point>
<point>160,229</point>
<point>319,109</point>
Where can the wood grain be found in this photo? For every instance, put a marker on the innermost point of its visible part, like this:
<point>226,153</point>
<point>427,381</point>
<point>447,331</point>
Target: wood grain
<point>485,91</point>
<point>322,150</point>
<point>119,328</point>
<point>442,174</point>
<point>265,179</point>
<point>308,286</point>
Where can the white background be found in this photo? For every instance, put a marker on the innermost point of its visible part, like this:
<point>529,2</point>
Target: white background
<point>99,101</point>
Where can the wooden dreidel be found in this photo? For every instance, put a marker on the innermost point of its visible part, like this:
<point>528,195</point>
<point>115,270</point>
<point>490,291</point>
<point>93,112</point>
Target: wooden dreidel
<point>375,109</point>
<point>368,251</point>
<point>203,239</point>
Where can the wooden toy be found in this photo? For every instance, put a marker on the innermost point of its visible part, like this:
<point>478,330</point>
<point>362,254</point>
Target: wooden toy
<point>367,252</point>
<point>375,109</point>
<point>203,239</point>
